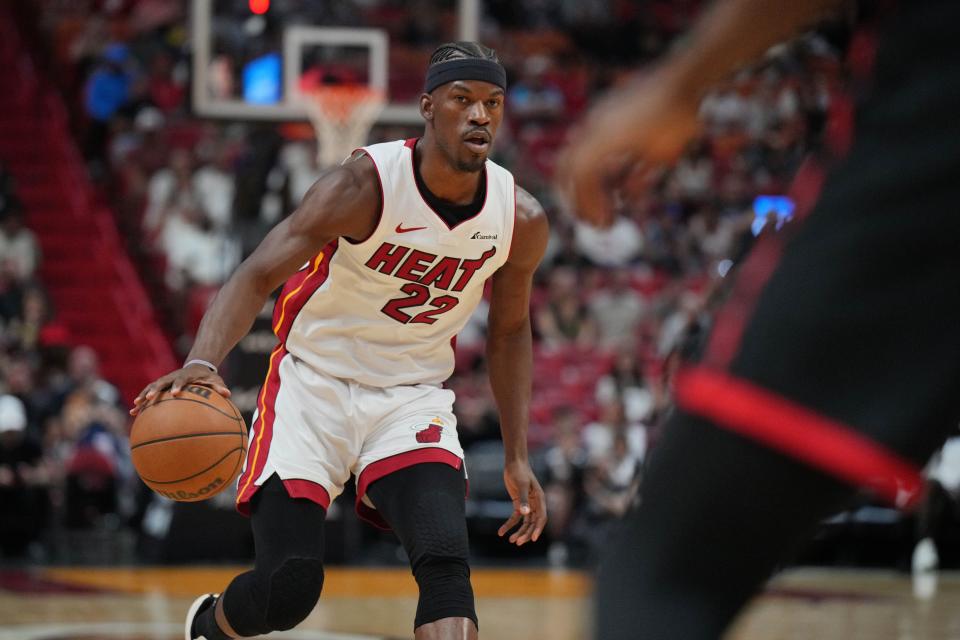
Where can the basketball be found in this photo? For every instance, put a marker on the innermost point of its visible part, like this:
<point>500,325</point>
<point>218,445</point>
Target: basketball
<point>188,447</point>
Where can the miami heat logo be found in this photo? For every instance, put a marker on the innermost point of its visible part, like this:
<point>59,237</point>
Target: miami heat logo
<point>432,433</point>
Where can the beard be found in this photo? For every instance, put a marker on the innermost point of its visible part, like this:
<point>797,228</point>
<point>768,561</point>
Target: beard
<point>470,164</point>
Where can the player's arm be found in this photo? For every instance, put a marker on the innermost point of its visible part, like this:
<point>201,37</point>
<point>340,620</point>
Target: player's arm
<point>343,202</point>
<point>510,360</point>
<point>653,120</point>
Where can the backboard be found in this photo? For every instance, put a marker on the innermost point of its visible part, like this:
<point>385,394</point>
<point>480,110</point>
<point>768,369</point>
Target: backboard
<point>250,59</point>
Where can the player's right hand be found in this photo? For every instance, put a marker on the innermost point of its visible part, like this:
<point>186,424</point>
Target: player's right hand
<point>175,381</point>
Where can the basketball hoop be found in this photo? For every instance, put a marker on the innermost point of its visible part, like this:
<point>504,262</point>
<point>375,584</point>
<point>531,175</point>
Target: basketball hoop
<point>342,116</point>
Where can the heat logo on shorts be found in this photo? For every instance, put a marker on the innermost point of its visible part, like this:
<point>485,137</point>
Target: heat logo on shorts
<point>431,433</point>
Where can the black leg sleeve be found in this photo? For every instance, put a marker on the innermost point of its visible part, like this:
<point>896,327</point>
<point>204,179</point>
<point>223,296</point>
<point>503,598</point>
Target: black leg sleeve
<point>424,504</point>
<point>287,578</point>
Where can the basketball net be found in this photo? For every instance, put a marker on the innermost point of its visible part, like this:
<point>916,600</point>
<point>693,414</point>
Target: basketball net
<point>342,116</point>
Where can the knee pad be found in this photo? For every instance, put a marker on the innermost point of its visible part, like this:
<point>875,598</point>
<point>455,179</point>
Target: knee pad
<point>293,590</point>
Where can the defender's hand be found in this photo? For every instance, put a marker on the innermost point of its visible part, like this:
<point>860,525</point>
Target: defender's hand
<point>529,504</point>
<point>176,380</point>
<point>647,122</point>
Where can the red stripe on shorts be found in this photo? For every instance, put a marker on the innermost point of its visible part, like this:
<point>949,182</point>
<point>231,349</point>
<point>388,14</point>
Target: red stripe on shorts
<point>261,433</point>
<point>788,427</point>
<point>297,488</point>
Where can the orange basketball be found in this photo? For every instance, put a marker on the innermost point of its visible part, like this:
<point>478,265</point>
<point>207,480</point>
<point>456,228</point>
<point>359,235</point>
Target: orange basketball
<point>188,447</point>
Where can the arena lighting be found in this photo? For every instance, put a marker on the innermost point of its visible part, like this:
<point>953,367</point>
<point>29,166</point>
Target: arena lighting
<point>259,7</point>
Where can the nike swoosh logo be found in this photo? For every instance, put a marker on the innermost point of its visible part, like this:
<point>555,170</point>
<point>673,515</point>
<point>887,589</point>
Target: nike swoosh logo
<point>400,229</point>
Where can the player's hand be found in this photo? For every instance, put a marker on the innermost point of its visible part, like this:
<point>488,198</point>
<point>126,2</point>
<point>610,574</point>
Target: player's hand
<point>648,122</point>
<point>529,504</point>
<point>175,381</point>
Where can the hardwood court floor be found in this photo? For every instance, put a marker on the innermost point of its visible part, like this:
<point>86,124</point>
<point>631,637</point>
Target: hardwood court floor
<point>371,604</point>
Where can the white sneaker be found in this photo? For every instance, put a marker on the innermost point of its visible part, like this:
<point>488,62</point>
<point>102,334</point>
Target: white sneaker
<point>192,613</point>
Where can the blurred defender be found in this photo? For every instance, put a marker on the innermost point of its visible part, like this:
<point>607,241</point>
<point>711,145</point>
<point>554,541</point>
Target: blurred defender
<point>835,365</point>
<point>384,261</point>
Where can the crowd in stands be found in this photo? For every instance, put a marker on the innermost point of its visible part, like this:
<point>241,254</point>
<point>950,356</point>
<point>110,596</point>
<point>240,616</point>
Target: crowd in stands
<point>613,309</point>
<point>64,459</point>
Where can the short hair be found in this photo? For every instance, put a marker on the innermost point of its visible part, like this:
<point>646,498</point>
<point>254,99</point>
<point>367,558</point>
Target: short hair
<point>461,51</point>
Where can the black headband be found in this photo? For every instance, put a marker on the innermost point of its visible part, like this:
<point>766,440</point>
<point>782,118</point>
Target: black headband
<point>466,69</point>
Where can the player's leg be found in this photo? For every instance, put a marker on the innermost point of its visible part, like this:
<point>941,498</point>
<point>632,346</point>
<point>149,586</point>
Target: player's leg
<point>845,374</point>
<point>718,514</point>
<point>424,505</point>
<point>287,578</point>
<point>845,377</point>
<point>834,365</point>
<point>301,450</point>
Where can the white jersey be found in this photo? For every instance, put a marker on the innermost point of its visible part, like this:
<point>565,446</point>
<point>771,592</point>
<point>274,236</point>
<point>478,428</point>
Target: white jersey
<point>385,311</point>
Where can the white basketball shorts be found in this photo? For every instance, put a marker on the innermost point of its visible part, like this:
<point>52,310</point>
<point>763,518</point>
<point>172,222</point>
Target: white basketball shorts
<point>314,431</point>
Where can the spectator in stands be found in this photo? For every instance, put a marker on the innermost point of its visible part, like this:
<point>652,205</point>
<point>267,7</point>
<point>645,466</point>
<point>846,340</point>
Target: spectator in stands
<point>298,160</point>
<point>11,302</point>
<point>566,461</point>
<point>599,436</point>
<point>616,246</point>
<point>168,188</point>
<point>107,90</point>
<point>83,369</point>
<point>35,316</point>
<point>213,184</point>
<point>562,249</point>
<point>564,320</point>
<point>196,253</point>
<point>24,499</point>
<point>612,481</point>
<point>617,311</point>
<point>694,172</point>
<point>18,244</point>
<point>134,141</point>
<point>533,98</point>
<point>715,235</point>
<point>98,468</point>
<point>165,88</point>
<point>610,486</point>
<point>19,381</point>
<point>627,384</point>
<point>679,317</point>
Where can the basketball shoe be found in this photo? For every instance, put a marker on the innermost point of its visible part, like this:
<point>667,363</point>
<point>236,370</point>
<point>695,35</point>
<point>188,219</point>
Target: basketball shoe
<point>199,605</point>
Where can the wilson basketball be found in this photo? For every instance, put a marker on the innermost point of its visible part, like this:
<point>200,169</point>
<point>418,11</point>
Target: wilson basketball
<point>188,447</point>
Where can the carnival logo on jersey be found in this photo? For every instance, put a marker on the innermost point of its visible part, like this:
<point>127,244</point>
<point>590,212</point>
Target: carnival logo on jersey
<point>441,272</point>
<point>431,432</point>
<point>484,236</point>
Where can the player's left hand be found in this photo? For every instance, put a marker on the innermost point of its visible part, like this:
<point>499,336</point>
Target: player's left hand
<point>529,504</point>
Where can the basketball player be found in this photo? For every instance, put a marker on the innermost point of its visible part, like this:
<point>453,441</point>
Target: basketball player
<point>835,365</point>
<point>384,261</point>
